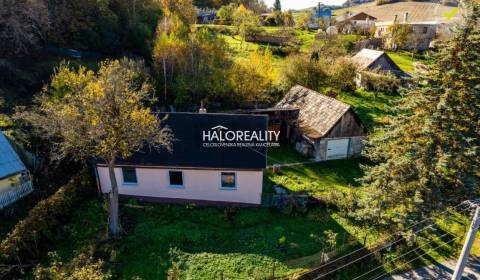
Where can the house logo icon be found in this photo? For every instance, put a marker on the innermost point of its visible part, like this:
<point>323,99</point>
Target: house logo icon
<point>218,127</point>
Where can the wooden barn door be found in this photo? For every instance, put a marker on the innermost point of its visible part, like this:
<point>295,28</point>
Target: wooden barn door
<point>337,148</point>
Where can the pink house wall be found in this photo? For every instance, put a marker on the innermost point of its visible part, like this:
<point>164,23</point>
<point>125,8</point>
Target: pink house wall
<point>198,185</point>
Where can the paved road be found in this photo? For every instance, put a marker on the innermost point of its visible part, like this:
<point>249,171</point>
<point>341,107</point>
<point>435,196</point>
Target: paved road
<point>442,271</point>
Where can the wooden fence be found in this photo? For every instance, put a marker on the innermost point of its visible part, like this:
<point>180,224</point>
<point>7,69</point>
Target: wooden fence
<point>17,192</point>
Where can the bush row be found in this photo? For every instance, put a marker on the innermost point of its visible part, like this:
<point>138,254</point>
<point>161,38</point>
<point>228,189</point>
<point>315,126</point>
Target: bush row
<point>43,223</point>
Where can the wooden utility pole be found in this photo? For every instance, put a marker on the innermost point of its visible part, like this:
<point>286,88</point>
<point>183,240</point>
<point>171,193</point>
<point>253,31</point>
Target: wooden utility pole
<point>467,246</point>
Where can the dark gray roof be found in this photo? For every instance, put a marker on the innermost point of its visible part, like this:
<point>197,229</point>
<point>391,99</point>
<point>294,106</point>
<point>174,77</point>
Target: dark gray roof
<point>10,163</point>
<point>188,149</point>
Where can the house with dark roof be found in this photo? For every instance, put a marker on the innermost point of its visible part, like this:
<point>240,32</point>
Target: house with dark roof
<point>15,180</point>
<point>215,159</point>
<point>327,128</point>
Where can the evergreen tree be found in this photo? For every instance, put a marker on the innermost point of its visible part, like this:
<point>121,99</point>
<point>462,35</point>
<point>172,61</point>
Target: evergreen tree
<point>429,156</point>
<point>277,6</point>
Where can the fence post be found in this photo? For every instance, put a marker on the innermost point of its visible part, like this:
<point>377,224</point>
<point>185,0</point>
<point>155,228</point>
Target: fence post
<point>273,271</point>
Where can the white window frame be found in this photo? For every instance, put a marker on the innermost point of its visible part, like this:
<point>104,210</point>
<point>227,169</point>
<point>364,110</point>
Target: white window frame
<point>176,186</point>
<point>226,188</point>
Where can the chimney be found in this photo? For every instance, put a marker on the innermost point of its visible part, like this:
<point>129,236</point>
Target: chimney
<point>405,17</point>
<point>395,19</point>
<point>202,109</point>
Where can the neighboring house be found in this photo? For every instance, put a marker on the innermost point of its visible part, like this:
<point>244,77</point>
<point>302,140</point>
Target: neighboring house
<point>369,60</point>
<point>353,22</point>
<point>205,16</point>
<point>417,11</point>
<point>421,36</point>
<point>199,169</point>
<point>424,16</point>
<point>327,128</point>
<point>321,12</point>
<point>15,180</point>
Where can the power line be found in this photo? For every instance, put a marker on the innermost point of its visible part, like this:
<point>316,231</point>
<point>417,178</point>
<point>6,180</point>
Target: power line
<point>404,254</point>
<point>378,249</point>
<point>387,273</point>
<point>383,240</point>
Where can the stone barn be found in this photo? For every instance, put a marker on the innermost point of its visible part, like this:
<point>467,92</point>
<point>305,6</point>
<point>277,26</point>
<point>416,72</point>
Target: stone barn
<point>327,128</point>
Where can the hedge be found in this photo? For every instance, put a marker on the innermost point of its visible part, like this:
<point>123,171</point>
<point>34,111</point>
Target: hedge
<point>44,222</point>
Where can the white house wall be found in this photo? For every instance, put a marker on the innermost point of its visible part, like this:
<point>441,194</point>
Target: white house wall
<point>202,185</point>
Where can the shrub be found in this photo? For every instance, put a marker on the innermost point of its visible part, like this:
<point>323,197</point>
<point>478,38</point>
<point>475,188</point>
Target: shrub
<point>302,70</point>
<point>43,221</point>
<point>220,29</point>
<point>380,81</point>
<point>82,267</point>
<point>226,12</point>
<point>342,75</point>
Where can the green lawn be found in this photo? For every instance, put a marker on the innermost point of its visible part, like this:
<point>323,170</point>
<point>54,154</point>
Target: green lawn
<point>320,178</point>
<point>404,60</point>
<point>284,154</point>
<point>203,242</point>
<point>372,110</point>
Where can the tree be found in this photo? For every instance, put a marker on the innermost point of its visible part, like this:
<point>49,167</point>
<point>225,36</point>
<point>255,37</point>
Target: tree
<point>429,156</point>
<point>302,70</point>
<point>100,115</point>
<point>399,35</point>
<point>194,65</point>
<point>23,26</point>
<point>226,12</point>
<point>183,9</point>
<point>304,20</point>
<point>342,74</point>
<point>248,24</point>
<point>165,54</point>
<point>252,78</point>
<point>277,6</point>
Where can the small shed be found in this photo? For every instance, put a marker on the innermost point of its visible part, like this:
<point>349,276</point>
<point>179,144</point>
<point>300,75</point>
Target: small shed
<point>15,180</point>
<point>369,60</point>
<point>327,128</point>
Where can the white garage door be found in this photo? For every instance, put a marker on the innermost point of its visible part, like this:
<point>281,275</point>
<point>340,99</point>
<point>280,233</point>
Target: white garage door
<point>337,148</point>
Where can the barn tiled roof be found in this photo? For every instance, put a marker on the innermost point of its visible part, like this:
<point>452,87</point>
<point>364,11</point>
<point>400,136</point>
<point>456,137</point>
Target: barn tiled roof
<point>318,112</point>
<point>10,163</point>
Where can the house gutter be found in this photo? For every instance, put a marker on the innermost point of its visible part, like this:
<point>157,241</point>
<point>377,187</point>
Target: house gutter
<point>97,179</point>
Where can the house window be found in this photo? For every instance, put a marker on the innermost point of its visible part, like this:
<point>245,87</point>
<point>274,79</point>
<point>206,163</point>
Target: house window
<point>425,30</point>
<point>228,180</point>
<point>176,178</point>
<point>129,175</point>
